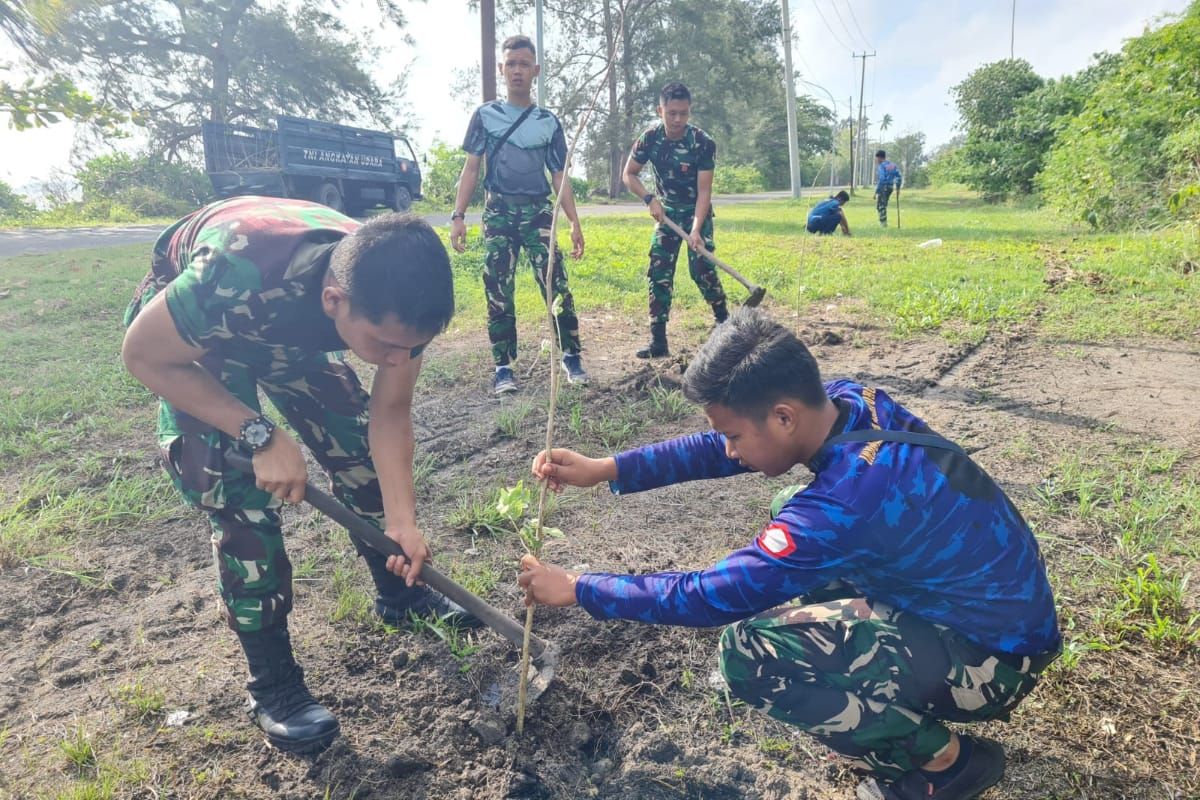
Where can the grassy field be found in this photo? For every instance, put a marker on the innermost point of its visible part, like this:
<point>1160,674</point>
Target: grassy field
<point>1012,303</point>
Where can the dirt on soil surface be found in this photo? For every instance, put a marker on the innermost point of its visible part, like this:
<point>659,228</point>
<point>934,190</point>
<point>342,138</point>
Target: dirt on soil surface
<point>634,712</point>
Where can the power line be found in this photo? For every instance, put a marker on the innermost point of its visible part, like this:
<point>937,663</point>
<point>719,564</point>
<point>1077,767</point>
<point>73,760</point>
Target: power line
<point>854,17</point>
<point>842,22</point>
<point>836,38</point>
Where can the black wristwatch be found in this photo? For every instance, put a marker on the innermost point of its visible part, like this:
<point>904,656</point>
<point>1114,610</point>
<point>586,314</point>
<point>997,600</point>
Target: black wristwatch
<point>647,199</point>
<point>256,433</point>
<point>457,215</point>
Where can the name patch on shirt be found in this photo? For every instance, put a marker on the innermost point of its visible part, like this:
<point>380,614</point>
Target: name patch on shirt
<point>776,540</point>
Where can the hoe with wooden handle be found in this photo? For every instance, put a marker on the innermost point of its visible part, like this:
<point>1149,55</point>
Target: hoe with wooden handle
<point>545,654</point>
<point>757,293</point>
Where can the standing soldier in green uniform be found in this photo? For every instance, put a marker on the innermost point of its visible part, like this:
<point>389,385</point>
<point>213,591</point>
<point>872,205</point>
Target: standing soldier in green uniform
<point>684,158</point>
<point>264,293</point>
<point>522,142</point>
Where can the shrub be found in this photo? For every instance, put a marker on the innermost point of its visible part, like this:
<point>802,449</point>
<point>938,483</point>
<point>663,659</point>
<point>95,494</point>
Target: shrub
<point>144,185</point>
<point>737,179</point>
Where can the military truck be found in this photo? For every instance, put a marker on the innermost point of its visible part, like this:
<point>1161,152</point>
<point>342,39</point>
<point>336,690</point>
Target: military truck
<point>348,169</point>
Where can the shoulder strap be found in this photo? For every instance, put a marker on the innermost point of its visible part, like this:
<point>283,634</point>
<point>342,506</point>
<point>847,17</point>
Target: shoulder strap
<point>512,128</point>
<point>904,437</point>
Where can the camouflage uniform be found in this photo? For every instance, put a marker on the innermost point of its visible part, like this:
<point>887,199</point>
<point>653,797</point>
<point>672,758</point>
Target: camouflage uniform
<point>517,214</point>
<point>872,683</point>
<point>243,280</point>
<point>509,227</point>
<point>900,590</point>
<point>677,165</point>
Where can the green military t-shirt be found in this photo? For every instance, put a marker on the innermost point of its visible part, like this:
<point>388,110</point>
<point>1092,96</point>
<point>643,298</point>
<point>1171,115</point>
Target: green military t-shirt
<point>243,280</point>
<point>677,164</point>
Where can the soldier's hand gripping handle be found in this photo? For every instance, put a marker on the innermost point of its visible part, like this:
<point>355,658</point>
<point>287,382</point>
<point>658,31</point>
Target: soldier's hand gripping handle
<point>279,468</point>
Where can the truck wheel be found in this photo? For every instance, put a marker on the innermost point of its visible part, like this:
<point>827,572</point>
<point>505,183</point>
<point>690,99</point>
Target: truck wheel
<point>402,198</point>
<point>328,194</point>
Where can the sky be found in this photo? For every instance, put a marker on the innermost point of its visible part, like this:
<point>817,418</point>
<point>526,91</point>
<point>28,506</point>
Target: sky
<point>922,48</point>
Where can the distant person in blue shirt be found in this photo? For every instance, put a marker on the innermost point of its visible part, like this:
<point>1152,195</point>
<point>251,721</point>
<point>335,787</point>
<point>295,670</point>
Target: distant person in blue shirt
<point>827,215</point>
<point>887,178</point>
<point>897,591</point>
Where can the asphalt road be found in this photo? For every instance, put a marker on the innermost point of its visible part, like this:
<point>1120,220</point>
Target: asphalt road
<point>38,241</point>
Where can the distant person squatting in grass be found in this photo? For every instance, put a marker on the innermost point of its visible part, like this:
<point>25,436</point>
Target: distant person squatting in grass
<point>827,215</point>
<point>898,591</point>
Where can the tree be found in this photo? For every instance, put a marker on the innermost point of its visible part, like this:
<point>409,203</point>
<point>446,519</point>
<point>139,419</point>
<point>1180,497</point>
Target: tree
<point>908,151</point>
<point>12,204</point>
<point>173,65</point>
<point>725,51</point>
<point>987,102</point>
<point>1131,156</point>
<point>40,102</point>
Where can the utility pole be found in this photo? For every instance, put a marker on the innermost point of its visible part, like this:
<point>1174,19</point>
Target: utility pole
<point>861,87</point>
<point>487,25</point>
<point>793,145</point>
<point>1012,31</point>
<point>541,89</point>
<point>850,118</point>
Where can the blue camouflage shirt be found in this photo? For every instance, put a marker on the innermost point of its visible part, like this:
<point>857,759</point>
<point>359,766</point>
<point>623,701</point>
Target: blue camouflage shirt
<point>825,212</point>
<point>923,529</point>
<point>887,175</point>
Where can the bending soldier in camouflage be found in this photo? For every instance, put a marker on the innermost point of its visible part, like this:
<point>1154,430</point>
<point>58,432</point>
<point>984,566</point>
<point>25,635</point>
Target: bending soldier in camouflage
<point>684,158</point>
<point>263,293</point>
<point>521,143</point>
<point>913,593</point>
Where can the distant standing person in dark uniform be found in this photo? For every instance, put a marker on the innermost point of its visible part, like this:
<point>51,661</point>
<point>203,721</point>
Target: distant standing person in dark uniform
<point>522,143</point>
<point>827,215</point>
<point>684,158</point>
<point>887,177</point>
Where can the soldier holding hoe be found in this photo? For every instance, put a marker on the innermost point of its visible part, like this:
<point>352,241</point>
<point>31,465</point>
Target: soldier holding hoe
<point>684,158</point>
<point>264,293</point>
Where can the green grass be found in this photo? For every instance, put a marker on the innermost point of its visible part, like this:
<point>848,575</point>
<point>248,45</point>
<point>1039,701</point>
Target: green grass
<point>52,509</point>
<point>989,271</point>
<point>1145,497</point>
<point>141,702</point>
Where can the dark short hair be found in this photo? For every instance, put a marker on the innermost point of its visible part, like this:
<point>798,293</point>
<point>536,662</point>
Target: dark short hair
<point>880,154</point>
<point>674,91</point>
<point>518,42</point>
<point>749,363</point>
<point>396,264</point>
<point>843,195</point>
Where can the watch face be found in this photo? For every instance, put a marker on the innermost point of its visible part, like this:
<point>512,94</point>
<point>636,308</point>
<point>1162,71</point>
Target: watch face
<point>257,434</point>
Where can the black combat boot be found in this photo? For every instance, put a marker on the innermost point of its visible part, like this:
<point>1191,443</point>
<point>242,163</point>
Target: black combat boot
<point>658,342</point>
<point>280,703</point>
<point>720,312</point>
<point>396,600</point>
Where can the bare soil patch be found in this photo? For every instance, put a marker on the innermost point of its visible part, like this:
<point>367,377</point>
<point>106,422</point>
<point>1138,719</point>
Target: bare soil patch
<point>632,714</point>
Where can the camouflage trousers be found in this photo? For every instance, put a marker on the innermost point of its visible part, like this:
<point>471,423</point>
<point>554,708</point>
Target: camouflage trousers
<point>323,401</point>
<point>881,204</point>
<point>509,228</point>
<point>872,683</point>
<point>664,252</point>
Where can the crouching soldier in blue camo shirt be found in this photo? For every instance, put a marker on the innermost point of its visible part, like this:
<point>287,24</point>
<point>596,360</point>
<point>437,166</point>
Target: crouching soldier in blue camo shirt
<point>898,591</point>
